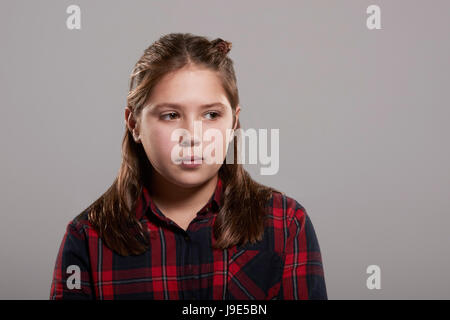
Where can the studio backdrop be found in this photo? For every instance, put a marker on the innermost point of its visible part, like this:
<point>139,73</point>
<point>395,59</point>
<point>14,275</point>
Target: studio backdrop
<point>358,91</point>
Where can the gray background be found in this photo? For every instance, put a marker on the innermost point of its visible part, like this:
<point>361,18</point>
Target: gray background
<point>362,116</point>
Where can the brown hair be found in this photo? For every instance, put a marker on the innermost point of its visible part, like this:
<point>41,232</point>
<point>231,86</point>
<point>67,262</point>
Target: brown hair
<point>241,218</point>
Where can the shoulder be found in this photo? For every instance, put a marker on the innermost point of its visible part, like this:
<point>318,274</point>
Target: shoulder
<point>79,225</point>
<point>294,225</point>
<point>285,209</point>
<point>286,217</point>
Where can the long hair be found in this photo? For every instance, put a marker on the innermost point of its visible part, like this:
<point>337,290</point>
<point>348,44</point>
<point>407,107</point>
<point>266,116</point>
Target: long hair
<point>241,218</point>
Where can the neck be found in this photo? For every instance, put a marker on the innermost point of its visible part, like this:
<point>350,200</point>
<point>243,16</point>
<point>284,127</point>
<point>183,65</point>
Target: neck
<point>171,197</point>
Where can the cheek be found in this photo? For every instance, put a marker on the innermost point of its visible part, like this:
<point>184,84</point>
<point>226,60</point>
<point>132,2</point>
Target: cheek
<point>211,144</point>
<point>159,143</point>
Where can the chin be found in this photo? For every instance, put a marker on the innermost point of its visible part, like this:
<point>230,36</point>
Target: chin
<point>190,179</point>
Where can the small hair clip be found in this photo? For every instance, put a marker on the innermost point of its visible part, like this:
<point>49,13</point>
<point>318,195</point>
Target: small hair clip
<point>223,46</point>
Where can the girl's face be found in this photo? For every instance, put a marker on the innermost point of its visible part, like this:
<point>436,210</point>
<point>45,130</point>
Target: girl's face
<point>192,99</point>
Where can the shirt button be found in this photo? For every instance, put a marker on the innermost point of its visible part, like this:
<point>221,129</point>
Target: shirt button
<point>186,238</point>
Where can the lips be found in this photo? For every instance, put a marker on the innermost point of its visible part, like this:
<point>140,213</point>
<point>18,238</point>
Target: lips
<point>192,159</point>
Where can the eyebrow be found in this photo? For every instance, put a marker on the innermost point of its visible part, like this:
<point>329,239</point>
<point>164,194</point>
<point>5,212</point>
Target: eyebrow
<point>180,106</point>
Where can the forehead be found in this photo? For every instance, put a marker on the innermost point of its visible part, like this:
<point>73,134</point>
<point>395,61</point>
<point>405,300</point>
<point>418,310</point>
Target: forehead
<point>189,86</point>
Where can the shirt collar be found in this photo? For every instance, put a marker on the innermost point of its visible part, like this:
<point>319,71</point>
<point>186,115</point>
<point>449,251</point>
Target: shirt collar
<point>146,205</point>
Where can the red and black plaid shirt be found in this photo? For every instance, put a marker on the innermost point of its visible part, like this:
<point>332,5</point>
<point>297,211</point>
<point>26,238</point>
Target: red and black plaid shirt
<point>181,264</point>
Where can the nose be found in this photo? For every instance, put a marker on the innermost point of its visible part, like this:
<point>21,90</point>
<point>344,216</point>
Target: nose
<point>195,134</point>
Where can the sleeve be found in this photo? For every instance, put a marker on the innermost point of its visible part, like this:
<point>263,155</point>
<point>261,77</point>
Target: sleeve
<point>303,274</point>
<point>71,275</point>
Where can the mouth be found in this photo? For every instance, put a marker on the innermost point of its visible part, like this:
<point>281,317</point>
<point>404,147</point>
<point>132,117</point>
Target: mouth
<point>192,159</point>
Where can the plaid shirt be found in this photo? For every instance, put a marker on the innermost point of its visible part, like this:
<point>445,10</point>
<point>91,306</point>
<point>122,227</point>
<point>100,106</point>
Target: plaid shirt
<point>181,264</point>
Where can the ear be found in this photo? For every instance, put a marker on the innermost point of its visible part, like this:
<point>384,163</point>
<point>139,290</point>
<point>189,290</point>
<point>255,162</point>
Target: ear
<point>230,138</point>
<point>238,109</point>
<point>130,122</point>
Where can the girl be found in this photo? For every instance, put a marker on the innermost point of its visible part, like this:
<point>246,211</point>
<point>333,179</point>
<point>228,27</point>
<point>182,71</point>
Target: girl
<point>174,224</point>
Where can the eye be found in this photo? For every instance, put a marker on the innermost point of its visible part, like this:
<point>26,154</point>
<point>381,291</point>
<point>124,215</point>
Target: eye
<point>170,115</point>
<point>214,114</point>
